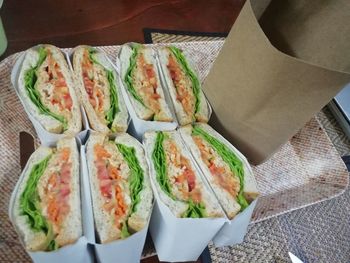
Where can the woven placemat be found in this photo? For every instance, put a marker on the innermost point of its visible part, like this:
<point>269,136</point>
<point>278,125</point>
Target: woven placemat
<point>13,120</point>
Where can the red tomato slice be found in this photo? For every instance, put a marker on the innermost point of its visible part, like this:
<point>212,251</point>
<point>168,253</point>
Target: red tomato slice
<point>191,179</point>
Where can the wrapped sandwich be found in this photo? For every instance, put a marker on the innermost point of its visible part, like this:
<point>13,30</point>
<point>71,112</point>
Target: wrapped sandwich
<point>184,87</point>
<point>99,90</point>
<point>141,79</point>
<point>46,88</point>
<point>176,179</point>
<point>46,211</point>
<point>223,166</point>
<point>121,194</point>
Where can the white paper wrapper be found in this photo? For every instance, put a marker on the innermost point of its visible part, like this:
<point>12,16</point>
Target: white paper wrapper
<point>85,119</point>
<point>180,239</point>
<point>46,138</point>
<point>138,126</point>
<point>162,69</point>
<point>128,250</point>
<point>233,232</point>
<point>78,252</point>
<point>124,251</point>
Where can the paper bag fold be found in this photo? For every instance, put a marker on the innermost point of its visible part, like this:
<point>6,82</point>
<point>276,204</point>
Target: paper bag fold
<point>262,96</point>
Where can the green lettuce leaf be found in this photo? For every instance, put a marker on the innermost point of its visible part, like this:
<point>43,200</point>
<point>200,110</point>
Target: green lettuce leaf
<point>135,181</point>
<point>229,157</point>
<point>136,174</point>
<point>93,51</point>
<point>158,158</point>
<point>52,244</point>
<point>114,108</point>
<point>30,79</point>
<point>194,210</point>
<point>30,205</point>
<point>124,231</point>
<point>189,72</point>
<point>114,105</point>
<point>128,75</point>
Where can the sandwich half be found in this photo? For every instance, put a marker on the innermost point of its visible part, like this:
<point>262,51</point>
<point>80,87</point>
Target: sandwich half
<point>176,178</point>
<point>232,181</point>
<point>184,87</point>
<point>99,91</point>
<point>46,210</point>
<point>141,80</point>
<point>46,87</point>
<point>121,194</point>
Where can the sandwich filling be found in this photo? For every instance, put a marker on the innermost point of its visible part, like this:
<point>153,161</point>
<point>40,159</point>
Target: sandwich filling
<point>100,87</point>
<point>142,83</point>
<point>225,167</point>
<point>47,207</point>
<point>47,88</point>
<point>185,82</point>
<point>121,181</point>
<point>176,176</point>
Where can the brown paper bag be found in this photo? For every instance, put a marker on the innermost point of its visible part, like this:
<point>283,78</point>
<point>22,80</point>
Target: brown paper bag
<point>262,93</point>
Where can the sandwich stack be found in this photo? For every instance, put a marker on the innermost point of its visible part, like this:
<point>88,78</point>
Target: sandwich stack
<point>204,188</point>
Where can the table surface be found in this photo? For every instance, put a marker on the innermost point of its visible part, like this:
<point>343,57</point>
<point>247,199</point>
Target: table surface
<point>68,23</point>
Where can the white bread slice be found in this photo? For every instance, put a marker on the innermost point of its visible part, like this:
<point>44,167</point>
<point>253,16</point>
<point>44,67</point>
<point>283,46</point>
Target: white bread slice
<point>33,241</point>
<point>104,222</point>
<point>176,207</point>
<point>71,227</point>
<point>139,218</point>
<point>212,207</point>
<point>183,118</point>
<point>229,203</point>
<point>142,111</point>
<point>50,124</point>
<point>120,122</point>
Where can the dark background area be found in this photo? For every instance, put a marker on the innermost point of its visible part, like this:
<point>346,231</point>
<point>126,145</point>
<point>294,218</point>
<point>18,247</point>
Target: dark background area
<point>69,23</point>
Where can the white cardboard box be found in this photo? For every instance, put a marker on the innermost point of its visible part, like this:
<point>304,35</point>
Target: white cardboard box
<point>78,252</point>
